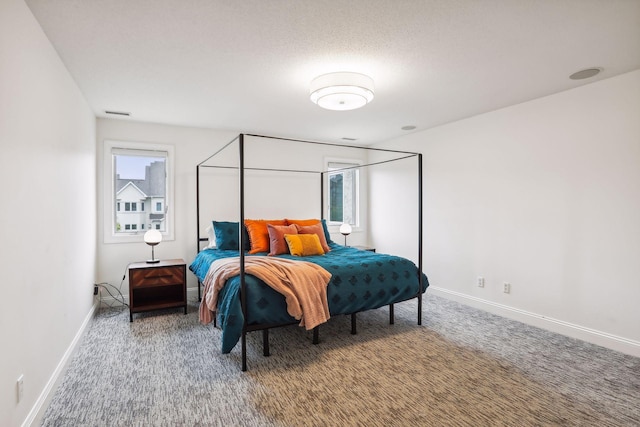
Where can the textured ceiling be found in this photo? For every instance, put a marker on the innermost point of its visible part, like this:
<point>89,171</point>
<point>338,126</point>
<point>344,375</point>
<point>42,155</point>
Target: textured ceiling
<point>246,65</point>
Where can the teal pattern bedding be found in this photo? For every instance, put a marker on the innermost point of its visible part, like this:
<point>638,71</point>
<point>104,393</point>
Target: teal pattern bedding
<point>361,280</point>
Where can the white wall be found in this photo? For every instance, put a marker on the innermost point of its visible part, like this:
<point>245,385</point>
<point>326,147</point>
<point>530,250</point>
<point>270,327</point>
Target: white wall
<point>544,195</point>
<point>48,214</point>
<point>393,205</point>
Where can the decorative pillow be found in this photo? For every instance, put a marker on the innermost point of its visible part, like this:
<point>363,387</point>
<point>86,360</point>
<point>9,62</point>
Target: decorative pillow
<point>211,235</point>
<point>302,221</point>
<point>318,231</point>
<point>258,233</point>
<point>226,233</point>
<point>327,235</point>
<point>277,243</point>
<point>304,244</point>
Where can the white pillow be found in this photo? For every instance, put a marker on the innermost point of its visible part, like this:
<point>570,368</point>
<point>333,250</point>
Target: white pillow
<point>212,237</point>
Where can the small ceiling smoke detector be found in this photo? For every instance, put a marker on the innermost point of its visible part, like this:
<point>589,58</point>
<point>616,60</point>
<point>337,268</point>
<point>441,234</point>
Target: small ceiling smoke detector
<point>409,127</point>
<point>585,74</point>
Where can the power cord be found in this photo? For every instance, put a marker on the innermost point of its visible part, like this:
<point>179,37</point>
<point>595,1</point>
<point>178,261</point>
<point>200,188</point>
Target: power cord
<point>119,297</point>
<point>118,294</point>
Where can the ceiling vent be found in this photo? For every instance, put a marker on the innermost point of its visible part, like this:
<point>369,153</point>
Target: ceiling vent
<point>585,74</point>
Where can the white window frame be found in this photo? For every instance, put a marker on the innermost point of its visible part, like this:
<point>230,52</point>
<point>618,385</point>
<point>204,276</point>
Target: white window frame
<point>109,222</point>
<point>358,218</point>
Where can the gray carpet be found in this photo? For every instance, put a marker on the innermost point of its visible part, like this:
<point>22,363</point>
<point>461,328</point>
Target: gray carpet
<point>462,367</point>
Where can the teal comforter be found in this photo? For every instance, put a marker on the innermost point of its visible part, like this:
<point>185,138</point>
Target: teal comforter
<point>361,280</point>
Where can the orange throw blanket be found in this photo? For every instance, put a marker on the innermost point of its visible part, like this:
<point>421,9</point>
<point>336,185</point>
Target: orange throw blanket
<point>303,284</point>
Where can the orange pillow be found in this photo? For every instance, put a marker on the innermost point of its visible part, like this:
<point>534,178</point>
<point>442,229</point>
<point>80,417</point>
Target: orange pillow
<point>317,230</point>
<point>304,244</point>
<point>302,221</point>
<point>258,233</point>
<point>277,243</point>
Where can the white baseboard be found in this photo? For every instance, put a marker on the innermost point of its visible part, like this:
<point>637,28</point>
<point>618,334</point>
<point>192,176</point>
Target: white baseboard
<point>613,342</point>
<point>37,411</point>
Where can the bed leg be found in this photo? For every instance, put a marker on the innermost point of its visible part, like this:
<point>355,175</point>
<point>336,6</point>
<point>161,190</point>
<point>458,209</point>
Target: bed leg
<point>316,335</point>
<point>353,324</point>
<point>265,342</point>
<point>391,315</point>
<point>243,344</point>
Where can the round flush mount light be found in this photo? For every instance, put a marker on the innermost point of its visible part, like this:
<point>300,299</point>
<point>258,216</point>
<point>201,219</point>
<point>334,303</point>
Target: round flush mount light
<point>585,74</point>
<point>342,91</point>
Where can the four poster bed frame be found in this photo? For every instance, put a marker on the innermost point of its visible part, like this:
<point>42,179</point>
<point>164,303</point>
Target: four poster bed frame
<point>240,139</point>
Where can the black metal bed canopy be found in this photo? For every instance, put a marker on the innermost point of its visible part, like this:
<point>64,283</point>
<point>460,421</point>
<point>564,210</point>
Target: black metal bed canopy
<point>241,140</point>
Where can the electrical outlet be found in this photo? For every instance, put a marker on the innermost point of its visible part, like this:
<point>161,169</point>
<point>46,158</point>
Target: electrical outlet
<point>506,287</point>
<point>481,282</point>
<point>20,388</point>
<point>95,289</point>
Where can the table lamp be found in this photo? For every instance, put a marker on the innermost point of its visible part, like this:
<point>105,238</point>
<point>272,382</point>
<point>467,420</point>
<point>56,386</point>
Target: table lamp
<point>345,230</point>
<point>152,238</point>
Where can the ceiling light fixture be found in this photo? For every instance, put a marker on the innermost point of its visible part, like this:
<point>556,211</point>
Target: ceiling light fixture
<point>342,91</point>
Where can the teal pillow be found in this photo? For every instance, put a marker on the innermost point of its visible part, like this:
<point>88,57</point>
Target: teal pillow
<point>227,235</point>
<point>326,231</point>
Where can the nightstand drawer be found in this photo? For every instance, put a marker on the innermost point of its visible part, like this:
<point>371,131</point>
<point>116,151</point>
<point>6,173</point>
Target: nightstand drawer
<point>160,276</point>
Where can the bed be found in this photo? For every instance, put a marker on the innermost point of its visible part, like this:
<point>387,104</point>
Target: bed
<point>359,280</point>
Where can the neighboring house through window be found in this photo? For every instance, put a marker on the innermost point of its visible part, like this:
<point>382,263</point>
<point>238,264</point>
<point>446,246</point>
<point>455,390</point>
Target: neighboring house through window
<point>140,174</point>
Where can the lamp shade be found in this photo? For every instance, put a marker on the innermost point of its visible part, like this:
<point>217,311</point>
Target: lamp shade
<point>342,91</point>
<point>152,237</point>
<point>345,229</point>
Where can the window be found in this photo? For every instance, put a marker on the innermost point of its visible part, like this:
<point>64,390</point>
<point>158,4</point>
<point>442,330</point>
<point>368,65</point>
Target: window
<point>136,174</point>
<point>343,192</point>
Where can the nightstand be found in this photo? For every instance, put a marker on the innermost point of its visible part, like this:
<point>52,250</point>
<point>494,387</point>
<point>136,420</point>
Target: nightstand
<point>157,286</point>
<point>365,248</point>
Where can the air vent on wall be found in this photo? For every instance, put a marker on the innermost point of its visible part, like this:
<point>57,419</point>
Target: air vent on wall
<point>117,113</point>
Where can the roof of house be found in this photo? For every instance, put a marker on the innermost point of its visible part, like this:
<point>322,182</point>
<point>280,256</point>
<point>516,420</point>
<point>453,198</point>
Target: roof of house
<point>153,184</point>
